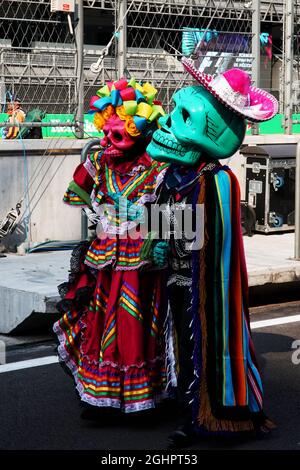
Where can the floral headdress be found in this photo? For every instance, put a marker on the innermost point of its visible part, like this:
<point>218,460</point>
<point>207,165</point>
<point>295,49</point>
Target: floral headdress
<point>134,103</point>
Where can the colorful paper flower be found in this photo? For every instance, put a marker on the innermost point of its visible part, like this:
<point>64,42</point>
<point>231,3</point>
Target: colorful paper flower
<point>131,127</point>
<point>133,102</point>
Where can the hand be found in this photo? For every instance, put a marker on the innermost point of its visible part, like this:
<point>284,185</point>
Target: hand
<point>126,209</point>
<point>160,253</point>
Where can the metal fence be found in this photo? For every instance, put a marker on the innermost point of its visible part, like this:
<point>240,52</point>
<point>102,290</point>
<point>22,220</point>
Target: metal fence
<point>220,26</point>
<point>36,55</point>
<point>144,38</point>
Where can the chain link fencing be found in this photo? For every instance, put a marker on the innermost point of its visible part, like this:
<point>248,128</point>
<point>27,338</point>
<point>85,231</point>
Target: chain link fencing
<point>217,33</point>
<point>38,53</point>
<point>38,61</point>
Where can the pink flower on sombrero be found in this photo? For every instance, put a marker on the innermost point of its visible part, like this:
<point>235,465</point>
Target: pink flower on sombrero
<point>233,88</point>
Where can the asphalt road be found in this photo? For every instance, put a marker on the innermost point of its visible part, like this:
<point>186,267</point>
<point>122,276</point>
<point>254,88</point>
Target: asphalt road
<point>39,408</point>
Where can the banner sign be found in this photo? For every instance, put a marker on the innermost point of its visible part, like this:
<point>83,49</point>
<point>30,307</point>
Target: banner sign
<point>214,51</point>
<point>274,126</point>
<point>57,131</point>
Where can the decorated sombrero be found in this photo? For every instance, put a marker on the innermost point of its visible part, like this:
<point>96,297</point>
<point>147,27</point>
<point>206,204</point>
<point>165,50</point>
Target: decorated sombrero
<point>233,89</point>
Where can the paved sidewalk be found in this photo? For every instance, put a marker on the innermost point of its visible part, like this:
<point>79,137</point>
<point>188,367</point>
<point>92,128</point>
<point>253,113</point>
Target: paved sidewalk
<point>29,283</point>
<point>270,259</point>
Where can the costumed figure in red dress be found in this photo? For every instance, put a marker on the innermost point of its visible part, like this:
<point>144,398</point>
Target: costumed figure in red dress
<point>110,334</point>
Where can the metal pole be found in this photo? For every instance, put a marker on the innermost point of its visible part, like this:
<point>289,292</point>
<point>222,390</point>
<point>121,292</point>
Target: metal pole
<point>122,40</point>
<point>297,204</point>
<point>255,51</point>
<point>79,118</point>
<point>79,30</point>
<point>288,65</point>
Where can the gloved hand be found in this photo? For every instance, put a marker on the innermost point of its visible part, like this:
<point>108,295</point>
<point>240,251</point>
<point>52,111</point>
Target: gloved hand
<point>126,209</point>
<point>160,253</point>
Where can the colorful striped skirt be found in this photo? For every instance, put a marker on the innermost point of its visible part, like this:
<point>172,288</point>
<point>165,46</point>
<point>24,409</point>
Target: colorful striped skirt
<point>112,341</point>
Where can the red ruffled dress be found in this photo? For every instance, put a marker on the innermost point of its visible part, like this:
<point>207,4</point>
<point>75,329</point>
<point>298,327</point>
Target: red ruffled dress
<point>111,332</point>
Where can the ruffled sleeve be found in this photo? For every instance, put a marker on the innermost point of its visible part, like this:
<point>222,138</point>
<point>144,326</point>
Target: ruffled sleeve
<point>80,188</point>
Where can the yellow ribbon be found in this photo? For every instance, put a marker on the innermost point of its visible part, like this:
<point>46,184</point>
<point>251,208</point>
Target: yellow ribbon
<point>144,110</point>
<point>149,92</point>
<point>139,87</point>
<point>157,111</point>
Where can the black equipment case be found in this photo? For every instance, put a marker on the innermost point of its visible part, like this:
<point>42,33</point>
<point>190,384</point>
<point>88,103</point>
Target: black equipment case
<point>270,186</point>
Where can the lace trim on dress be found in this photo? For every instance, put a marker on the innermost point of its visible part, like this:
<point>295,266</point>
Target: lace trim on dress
<point>90,168</point>
<point>136,169</point>
<point>101,402</point>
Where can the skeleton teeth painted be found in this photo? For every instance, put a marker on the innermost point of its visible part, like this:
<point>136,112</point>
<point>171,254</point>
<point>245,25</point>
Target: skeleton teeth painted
<point>199,124</point>
<point>167,143</point>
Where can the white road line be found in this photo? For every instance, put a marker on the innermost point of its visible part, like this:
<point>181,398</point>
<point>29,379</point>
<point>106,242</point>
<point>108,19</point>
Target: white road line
<point>40,361</point>
<point>275,321</point>
<point>44,361</point>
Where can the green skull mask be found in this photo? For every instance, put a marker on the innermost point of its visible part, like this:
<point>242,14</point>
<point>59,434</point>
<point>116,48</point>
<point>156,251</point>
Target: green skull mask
<point>198,126</point>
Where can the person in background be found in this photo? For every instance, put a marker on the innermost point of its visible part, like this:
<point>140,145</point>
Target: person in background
<point>16,115</point>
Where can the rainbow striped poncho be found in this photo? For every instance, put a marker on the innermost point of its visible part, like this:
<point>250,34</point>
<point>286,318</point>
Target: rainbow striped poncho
<point>226,392</point>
